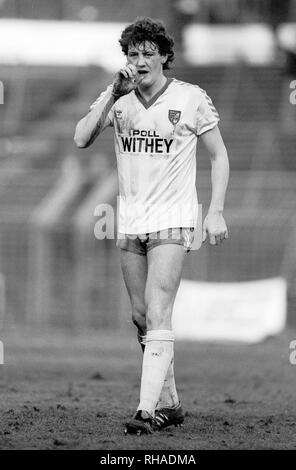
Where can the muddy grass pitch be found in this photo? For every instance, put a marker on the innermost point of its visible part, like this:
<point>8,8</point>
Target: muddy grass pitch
<point>61,391</point>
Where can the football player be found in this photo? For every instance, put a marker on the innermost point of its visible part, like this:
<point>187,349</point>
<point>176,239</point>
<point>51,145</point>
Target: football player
<point>157,122</point>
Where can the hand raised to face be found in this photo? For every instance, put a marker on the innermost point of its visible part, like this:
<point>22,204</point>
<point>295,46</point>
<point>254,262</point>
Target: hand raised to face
<point>126,80</point>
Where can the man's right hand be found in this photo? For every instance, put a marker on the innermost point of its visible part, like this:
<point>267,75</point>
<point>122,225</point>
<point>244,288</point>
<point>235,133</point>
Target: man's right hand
<point>125,81</point>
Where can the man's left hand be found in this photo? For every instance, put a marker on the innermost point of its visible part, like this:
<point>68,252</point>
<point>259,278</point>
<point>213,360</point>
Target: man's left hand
<point>215,226</point>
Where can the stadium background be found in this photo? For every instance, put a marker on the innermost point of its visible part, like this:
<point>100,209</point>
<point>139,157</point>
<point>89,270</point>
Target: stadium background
<point>64,295</point>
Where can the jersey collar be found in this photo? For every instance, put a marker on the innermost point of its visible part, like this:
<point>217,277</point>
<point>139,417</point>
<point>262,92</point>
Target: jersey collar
<point>149,103</point>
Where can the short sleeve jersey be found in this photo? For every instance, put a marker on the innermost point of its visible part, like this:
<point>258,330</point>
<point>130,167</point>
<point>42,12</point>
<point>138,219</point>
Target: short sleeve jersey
<point>155,144</point>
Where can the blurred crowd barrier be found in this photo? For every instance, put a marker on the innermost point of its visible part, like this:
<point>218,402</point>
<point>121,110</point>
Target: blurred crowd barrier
<point>210,11</point>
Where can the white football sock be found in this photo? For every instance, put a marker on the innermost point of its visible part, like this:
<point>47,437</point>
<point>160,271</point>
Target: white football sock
<point>159,350</point>
<point>169,395</point>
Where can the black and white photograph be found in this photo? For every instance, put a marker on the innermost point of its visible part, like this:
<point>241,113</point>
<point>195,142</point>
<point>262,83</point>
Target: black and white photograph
<point>147,228</point>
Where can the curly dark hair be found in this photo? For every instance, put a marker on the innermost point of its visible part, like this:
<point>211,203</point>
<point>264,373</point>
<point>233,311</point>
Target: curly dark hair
<point>147,29</point>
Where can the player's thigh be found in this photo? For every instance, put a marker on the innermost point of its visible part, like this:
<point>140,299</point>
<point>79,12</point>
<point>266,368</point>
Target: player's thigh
<point>134,270</point>
<point>165,263</point>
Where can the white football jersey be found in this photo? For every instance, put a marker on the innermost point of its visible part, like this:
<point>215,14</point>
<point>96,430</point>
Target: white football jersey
<point>155,144</point>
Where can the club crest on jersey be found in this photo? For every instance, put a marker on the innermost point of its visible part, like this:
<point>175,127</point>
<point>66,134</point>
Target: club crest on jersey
<point>118,113</point>
<point>174,116</point>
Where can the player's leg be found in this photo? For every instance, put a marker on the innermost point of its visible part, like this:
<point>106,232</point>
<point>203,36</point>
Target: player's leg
<point>165,263</point>
<point>169,410</point>
<point>134,270</point>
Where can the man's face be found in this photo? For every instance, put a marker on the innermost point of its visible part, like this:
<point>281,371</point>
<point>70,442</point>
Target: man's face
<point>146,58</point>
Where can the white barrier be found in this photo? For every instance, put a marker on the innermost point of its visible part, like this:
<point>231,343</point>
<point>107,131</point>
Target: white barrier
<point>61,43</point>
<point>245,311</point>
<point>220,44</point>
<point>48,42</point>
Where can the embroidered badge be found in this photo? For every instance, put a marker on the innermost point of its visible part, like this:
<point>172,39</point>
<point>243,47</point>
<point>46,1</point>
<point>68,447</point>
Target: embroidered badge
<point>174,116</point>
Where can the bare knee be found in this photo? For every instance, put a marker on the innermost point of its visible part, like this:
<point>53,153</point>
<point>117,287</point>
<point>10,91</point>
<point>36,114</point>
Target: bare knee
<point>159,307</point>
